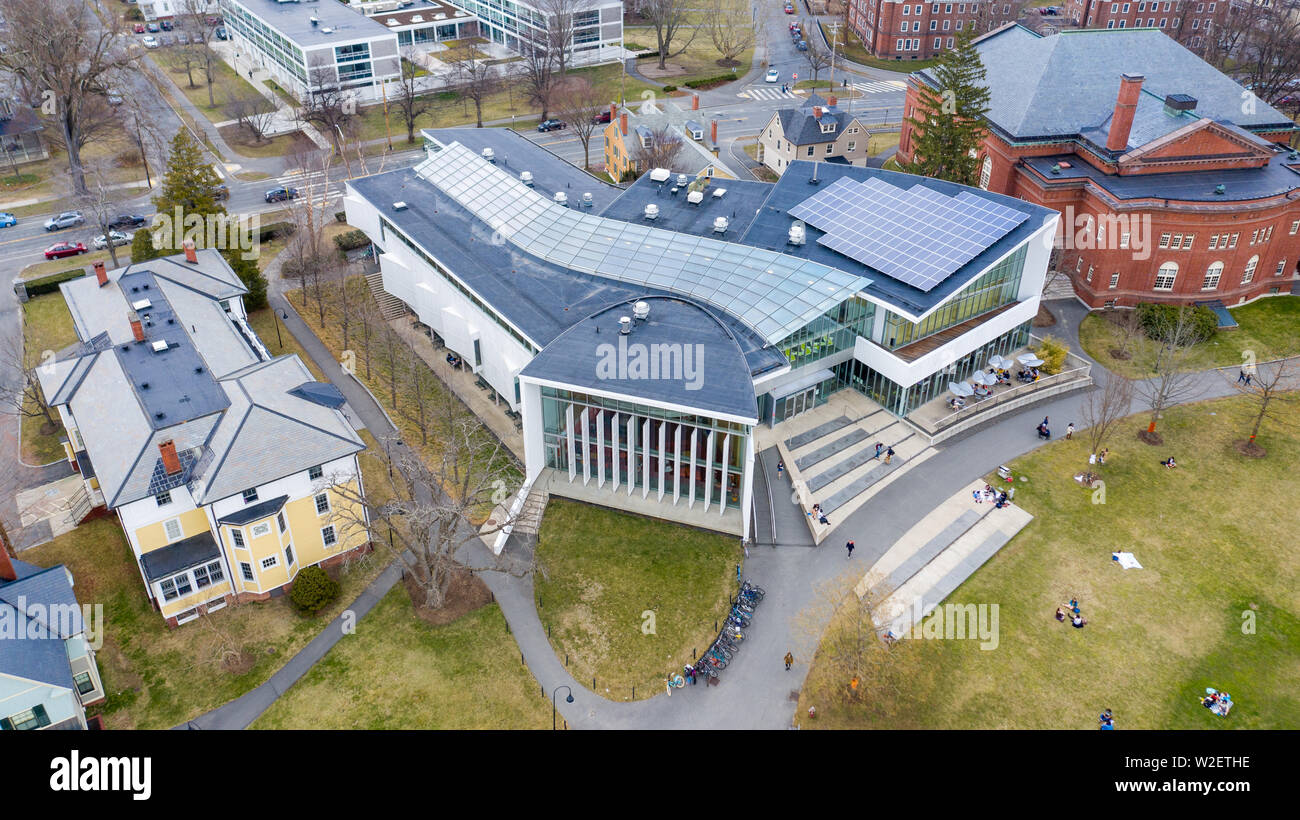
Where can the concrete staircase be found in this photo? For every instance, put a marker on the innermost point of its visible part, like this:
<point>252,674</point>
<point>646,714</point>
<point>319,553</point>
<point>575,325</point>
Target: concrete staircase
<point>936,556</point>
<point>836,466</point>
<point>390,307</point>
<point>529,520</point>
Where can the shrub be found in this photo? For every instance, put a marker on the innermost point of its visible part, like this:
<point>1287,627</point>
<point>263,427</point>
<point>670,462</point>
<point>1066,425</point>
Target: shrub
<point>313,590</point>
<point>709,82</point>
<point>1052,352</point>
<point>668,89</point>
<point>341,216</point>
<point>351,240</point>
<point>273,230</point>
<point>1155,319</point>
<point>49,284</point>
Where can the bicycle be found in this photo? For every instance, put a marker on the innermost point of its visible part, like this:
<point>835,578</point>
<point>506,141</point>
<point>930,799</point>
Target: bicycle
<point>675,681</point>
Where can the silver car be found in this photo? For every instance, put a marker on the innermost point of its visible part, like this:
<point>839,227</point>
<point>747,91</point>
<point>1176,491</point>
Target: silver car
<point>119,238</point>
<point>67,219</point>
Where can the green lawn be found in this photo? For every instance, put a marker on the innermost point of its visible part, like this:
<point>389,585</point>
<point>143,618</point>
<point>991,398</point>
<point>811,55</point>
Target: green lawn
<point>225,83</point>
<point>600,573</point>
<point>398,672</point>
<point>850,46</point>
<point>700,60</point>
<point>1156,637</point>
<point>1266,326</point>
<point>158,677</point>
<point>281,145</point>
<point>84,260</point>
<point>47,325</point>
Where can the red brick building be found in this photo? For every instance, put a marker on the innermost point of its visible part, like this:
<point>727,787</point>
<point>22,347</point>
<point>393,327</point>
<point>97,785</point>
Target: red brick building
<point>921,31</point>
<point>1175,183</point>
<point>1187,21</point>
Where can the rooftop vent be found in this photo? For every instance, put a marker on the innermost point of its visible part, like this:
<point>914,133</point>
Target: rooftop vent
<point>144,385</point>
<point>695,197</point>
<point>561,198</point>
<point>641,310</point>
<point>1180,102</point>
<point>660,175</point>
<point>490,155</point>
<point>1220,190</point>
<point>391,21</point>
<point>327,30</point>
<point>417,18</point>
<point>718,193</point>
<point>142,304</point>
<point>1056,169</point>
<point>652,211</point>
<point>797,234</point>
<point>625,325</point>
<point>526,178</point>
<point>588,200</point>
<point>720,225</point>
<point>681,180</point>
<point>314,21</point>
<point>159,346</point>
<point>399,206</point>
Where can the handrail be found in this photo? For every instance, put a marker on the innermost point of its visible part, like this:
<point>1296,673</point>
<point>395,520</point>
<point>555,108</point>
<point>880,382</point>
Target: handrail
<point>1000,398</point>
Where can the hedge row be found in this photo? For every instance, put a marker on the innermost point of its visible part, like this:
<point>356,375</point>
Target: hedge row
<point>351,240</point>
<point>710,81</point>
<point>1158,320</point>
<point>49,284</point>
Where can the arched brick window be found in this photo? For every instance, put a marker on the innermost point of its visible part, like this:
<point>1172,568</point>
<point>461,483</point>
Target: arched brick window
<point>1249,273</point>
<point>1212,274</point>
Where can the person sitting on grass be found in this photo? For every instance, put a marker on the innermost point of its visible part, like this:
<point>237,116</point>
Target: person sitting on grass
<point>1060,614</point>
<point>1170,463</point>
<point>1078,622</point>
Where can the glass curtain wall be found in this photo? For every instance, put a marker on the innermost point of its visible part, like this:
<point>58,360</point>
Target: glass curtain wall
<point>620,444</point>
<point>833,331</point>
<point>991,291</point>
<point>901,400</point>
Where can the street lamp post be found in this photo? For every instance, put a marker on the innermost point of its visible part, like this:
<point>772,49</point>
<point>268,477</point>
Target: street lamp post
<point>568,698</point>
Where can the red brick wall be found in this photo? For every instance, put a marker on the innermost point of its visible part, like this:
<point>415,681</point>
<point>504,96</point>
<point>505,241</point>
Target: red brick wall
<point>878,23</point>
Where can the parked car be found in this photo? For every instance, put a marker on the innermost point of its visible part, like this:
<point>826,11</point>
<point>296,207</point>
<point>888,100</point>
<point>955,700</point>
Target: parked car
<point>182,38</point>
<point>127,221</point>
<point>220,192</point>
<point>150,41</point>
<point>166,25</point>
<point>67,219</point>
<point>138,28</point>
<point>550,125</point>
<point>772,76</point>
<point>221,33</point>
<point>281,194</point>
<point>7,219</point>
<point>61,249</point>
<point>602,117</point>
<point>152,27</point>
<point>166,39</point>
<point>118,238</point>
<point>789,8</point>
<point>213,21</point>
<point>801,46</point>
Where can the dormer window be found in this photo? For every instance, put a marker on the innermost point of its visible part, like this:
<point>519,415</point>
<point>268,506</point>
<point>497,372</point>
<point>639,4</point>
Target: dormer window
<point>828,127</point>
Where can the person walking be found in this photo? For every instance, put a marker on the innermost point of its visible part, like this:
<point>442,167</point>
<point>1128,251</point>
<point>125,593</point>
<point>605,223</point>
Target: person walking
<point>1069,430</point>
<point>1044,424</point>
<point>889,454</point>
<point>780,468</point>
<point>849,546</point>
<point>879,447</point>
<point>1241,376</point>
<point>1248,380</point>
<point>789,661</point>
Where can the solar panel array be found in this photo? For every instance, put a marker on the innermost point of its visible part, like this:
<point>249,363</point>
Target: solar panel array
<point>774,293</point>
<point>917,235</point>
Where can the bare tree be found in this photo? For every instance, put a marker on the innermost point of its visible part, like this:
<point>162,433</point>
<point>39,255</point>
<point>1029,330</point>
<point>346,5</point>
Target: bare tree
<point>730,24</point>
<point>1271,389</point>
<point>577,104</point>
<point>1128,335</point>
<point>536,71</point>
<point>1102,409</point>
<point>1256,43</point>
<point>38,42</point>
<point>253,111</point>
<point>560,26</point>
<point>668,18</point>
<point>194,18</point>
<point>658,149</point>
<point>98,201</point>
<point>472,76</point>
<point>1168,358</point>
<point>435,509</point>
<point>407,98</point>
<point>308,252</point>
<point>328,107</point>
<point>22,396</point>
<point>817,55</point>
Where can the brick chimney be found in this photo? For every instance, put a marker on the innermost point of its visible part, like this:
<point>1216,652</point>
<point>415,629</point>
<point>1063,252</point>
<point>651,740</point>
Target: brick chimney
<point>137,329</point>
<point>171,461</point>
<point>713,132</point>
<point>832,101</point>
<point>613,111</point>
<point>817,112</point>
<point>101,272</point>
<point>191,255</point>
<point>1121,123</point>
<point>7,571</point>
<point>622,122</point>
<point>695,102</point>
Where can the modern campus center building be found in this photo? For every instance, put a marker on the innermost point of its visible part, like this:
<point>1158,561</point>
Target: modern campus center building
<point>645,333</point>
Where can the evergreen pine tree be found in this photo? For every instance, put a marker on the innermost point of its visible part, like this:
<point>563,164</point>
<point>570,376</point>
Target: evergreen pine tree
<point>252,278</point>
<point>188,184</point>
<point>949,122</point>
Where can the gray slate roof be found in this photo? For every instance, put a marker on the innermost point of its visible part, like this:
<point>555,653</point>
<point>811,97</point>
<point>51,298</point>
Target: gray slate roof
<point>26,603</point>
<point>1060,85</point>
<point>802,128</point>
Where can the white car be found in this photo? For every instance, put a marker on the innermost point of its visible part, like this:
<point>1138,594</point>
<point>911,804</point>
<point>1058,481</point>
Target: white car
<point>150,41</point>
<point>118,238</point>
<point>772,76</point>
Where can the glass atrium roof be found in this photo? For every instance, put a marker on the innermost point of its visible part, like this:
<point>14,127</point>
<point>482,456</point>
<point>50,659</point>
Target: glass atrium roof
<point>774,293</point>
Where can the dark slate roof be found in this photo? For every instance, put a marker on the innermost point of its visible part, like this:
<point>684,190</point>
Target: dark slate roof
<point>1057,86</point>
<point>770,229</point>
<point>84,466</point>
<point>740,204</point>
<point>322,393</point>
<point>1280,176</point>
<point>23,121</point>
<point>802,128</point>
<point>716,381</point>
<point>256,512</point>
<point>179,556</point>
<point>27,603</point>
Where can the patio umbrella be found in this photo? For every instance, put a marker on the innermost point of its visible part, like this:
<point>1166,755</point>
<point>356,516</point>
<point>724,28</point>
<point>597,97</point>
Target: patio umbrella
<point>960,389</point>
<point>1034,361</point>
<point>987,379</point>
<point>997,361</point>
<point>1026,358</point>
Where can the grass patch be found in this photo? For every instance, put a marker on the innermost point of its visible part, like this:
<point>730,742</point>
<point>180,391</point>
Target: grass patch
<point>158,677</point>
<point>282,145</point>
<point>83,260</point>
<point>398,672</point>
<point>878,143</point>
<point>224,83</point>
<point>47,325</point>
<point>1156,637</point>
<point>600,569</point>
<point>252,176</point>
<point>288,98</point>
<point>1266,326</point>
<point>699,61</point>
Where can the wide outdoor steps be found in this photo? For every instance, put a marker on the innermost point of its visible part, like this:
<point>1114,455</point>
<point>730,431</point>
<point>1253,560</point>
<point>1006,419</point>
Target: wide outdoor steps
<point>936,556</point>
<point>390,307</point>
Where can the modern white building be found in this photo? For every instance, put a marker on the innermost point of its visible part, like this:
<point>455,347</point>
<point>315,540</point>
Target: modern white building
<point>597,29</point>
<point>645,333</point>
<point>314,44</point>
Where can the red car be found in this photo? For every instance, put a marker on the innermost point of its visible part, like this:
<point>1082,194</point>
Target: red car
<point>789,8</point>
<point>61,249</point>
<point>138,28</point>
